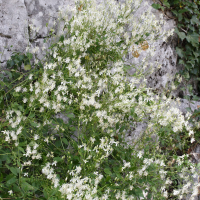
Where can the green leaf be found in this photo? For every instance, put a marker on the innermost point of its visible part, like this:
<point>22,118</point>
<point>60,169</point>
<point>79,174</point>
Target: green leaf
<point>198,165</point>
<point>58,159</point>
<point>58,143</point>
<point>139,192</point>
<point>11,181</point>
<point>181,35</point>
<point>165,3</point>
<point>26,186</point>
<point>10,63</point>
<point>188,109</point>
<point>195,98</point>
<point>195,71</point>
<point>193,39</point>
<point>180,17</point>
<point>154,189</point>
<point>21,149</point>
<point>156,6</point>
<point>196,54</point>
<point>61,38</point>
<point>194,20</point>
<point>183,10</point>
<point>32,115</point>
<point>1,178</point>
<point>9,74</point>
<point>175,12</point>
<point>179,52</point>
<point>29,55</point>
<point>117,125</point>
<point>65,140</point>
<point>188,67</point>
<point>118,176</point>
<point>14,170</point>
<point>34,124</point>
<point>27,67</point>
<point>116,169</point>
<point>182,62</point>
<point>107,171</point>
<point>189,88</point>
<point>122,128</point>
<point>70,115</point>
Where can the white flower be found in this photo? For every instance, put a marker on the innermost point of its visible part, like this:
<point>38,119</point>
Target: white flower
<point>25,99</point>
<point>38,156</point>
<point>131,187</point>
<point>168,181</point>
<point>140,154</point>
<point>85,161</point>
<point>92,139</point>
<point>191,132</point>
<point>78,169</point>
<point>176,192</point>
<point>52,138</point>
<point>27,163</point>
<point>46,140</point>
<point>16,144</point>
<point>10,192</point>
<point>192,140</point>
<point>35,146</point>
<point>165,194</point>
<point>54,163</point>
<point>24,90</point>
<point>145,173</point>
<point>67,60</point>
<point>41,109</point>
<point>30,76</point>
<point>36,137</point>
<point>17,89</point>
<point>162,163</point>
<point>25,174</point>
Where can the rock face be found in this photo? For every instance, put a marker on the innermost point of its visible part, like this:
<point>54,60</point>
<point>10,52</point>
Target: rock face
<point>19,17</point>
<point>17,29</point>
<point>24,23</point>
<point>13,31</point>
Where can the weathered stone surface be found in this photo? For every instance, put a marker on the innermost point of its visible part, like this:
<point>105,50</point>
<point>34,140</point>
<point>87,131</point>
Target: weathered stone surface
<point>165,53</point>
<point>17,20</point>
<point>13,20</point>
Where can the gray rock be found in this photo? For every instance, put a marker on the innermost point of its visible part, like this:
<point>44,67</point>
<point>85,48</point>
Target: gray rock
<point>19,16</point>
<point>13,25</point>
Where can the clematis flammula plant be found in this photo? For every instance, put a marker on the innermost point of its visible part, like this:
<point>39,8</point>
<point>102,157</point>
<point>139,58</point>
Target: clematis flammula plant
<point>87,75</point>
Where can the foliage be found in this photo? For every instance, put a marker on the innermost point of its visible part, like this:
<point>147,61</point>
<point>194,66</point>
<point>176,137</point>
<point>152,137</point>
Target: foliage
<point>85,155</point>
<point>186,14</point>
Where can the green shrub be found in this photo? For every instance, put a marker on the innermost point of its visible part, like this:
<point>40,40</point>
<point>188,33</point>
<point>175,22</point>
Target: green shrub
<point>84,77</point>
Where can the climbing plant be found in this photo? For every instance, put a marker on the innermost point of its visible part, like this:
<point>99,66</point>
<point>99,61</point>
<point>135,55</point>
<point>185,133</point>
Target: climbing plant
<point>186,13</point>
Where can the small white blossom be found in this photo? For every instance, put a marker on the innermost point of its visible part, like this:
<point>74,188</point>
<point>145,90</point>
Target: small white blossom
<point>36,137</point>
<point>25,99</point>
<point>30,76</point>
<point>140,154</point>
<point>25,174</point>
<point>192,140</point>
<point>17,89</point>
